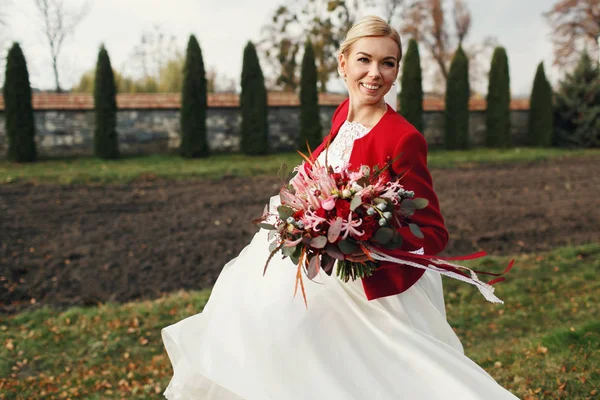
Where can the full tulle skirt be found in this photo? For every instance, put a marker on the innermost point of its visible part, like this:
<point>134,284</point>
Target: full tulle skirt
<point>255,341</point>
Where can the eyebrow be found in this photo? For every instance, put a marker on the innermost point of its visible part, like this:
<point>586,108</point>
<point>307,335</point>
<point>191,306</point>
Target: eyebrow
<point>368,55</point>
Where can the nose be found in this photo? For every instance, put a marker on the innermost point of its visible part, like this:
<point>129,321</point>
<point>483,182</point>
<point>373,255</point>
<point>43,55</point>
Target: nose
<point>374,70</point>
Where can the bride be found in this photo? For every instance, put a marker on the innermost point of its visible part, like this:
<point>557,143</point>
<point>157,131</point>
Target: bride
<point>383,337</point>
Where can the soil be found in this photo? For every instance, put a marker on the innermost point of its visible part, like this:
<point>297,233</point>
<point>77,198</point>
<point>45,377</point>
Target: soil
<point>89,244</point>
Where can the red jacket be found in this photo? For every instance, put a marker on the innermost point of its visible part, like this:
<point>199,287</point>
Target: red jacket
<point>391,136</point>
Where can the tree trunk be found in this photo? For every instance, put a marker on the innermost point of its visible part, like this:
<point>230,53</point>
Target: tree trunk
<point>55,67</point>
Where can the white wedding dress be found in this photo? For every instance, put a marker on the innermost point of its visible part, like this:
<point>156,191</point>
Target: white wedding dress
<point>254,341</point>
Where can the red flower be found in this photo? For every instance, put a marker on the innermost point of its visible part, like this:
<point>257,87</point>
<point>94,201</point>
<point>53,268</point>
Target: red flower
<point>369,226</point>
<point>298,214</point>
<point>321,212</point>
<point>342,208</point>
<point>340,180</point>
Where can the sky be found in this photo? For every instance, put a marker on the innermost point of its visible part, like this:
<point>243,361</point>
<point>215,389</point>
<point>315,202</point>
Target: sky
<point>223,28</point>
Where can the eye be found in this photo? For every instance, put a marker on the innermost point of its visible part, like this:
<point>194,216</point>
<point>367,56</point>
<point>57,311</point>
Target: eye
<point>390,64</point>
<point>363,59</point>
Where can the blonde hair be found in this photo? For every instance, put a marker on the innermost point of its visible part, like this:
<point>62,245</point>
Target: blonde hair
<point>368,27</point>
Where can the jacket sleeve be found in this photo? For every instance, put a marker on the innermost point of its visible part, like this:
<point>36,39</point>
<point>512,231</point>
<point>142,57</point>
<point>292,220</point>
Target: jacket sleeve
<point>412,148</point>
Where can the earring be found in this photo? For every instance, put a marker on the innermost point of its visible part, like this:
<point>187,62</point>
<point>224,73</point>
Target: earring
<point>394,84</point>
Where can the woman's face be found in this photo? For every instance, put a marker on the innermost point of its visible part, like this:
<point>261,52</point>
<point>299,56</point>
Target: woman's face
<point>371,68</point>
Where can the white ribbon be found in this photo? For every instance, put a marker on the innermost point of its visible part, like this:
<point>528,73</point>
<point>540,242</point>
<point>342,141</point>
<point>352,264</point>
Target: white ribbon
<point>485,289</point>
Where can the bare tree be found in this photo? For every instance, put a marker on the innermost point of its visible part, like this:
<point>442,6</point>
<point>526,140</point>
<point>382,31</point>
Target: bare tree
<point>4,6</point>
<point>575,26</point>
<point>325,22</point>
<point>155,49</point>
<point>219,83</point>
<point>392,9</point>
<point>4,37</point>
<point>3,14</point>
<point>426,21</point>
<point>462,20</point>
<point>58,23</point>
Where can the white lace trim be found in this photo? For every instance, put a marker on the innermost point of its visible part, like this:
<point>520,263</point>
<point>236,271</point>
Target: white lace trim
<point>340,149</point>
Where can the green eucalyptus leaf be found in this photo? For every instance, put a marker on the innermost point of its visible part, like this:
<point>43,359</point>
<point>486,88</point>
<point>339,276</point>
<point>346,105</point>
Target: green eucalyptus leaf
<point>295,259</point>
<point>389,246</point>
<point>285,212</point>
<point>347,246</point>
<point>397,240</point>
<point>393,244</point>
<point>314,266</point>
<point>355,203</point>
<point>334,252</point>
<point>283,172</point>
<point>414,228</point>
<point>288,250</point>
<point>334,229</point>
<point>266,226</point>
<point>384,235</point>
<point>298,252</point>
<point>327,263</point>
<point>420,203</point>
<point>408,206</point>
<point>319,242</point>
<point>273,246</point>
<point>271,235</point>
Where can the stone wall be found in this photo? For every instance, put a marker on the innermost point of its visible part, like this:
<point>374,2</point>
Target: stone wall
<point>154,127</point>
<point>67,133</point>
<point>434,127</point>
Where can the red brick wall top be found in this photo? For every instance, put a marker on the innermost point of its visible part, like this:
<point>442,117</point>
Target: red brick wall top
<point>132,101</point>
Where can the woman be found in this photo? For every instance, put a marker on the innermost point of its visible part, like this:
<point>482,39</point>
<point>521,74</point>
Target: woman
<point>385,337</point>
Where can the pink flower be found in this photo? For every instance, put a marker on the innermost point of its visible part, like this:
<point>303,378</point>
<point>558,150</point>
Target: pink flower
<point>313,220</point>
<point>329,203</point>
<point>390,192</point>
<point>350,227</point>
<point>356,175</point>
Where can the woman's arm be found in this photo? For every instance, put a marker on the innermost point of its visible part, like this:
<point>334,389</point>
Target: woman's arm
<point>413,149</point>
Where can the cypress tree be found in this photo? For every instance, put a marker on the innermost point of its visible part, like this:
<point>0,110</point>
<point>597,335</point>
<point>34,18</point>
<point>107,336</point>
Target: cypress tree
<point>497,117</point>
<point>411,95</point>
<point>20,126</point>
<point>106,141</point>
<point>540,128</point>
<point>253,104</point>
<point>577,110</point>
<point>193,104</point>
<point>456,127</point>
<point>310,121</point>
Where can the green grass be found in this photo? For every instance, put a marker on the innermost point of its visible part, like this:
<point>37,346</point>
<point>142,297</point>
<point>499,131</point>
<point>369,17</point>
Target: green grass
<point>93,170</point>
<point>466,158</point>
<point>542,344</point>
<point>108,351</point>
<point>545,341</point>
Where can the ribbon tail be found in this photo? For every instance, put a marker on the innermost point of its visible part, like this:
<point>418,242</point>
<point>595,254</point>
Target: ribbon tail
<point>443,267</point>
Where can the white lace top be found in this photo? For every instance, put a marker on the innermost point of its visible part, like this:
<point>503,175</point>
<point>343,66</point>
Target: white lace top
<point>340,149</point>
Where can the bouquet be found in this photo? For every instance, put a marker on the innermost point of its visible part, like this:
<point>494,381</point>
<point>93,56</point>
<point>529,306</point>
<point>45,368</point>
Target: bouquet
<point>349,217</point>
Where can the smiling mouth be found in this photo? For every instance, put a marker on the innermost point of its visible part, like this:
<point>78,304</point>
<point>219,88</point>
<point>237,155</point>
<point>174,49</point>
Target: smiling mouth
<point>370,87</point>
